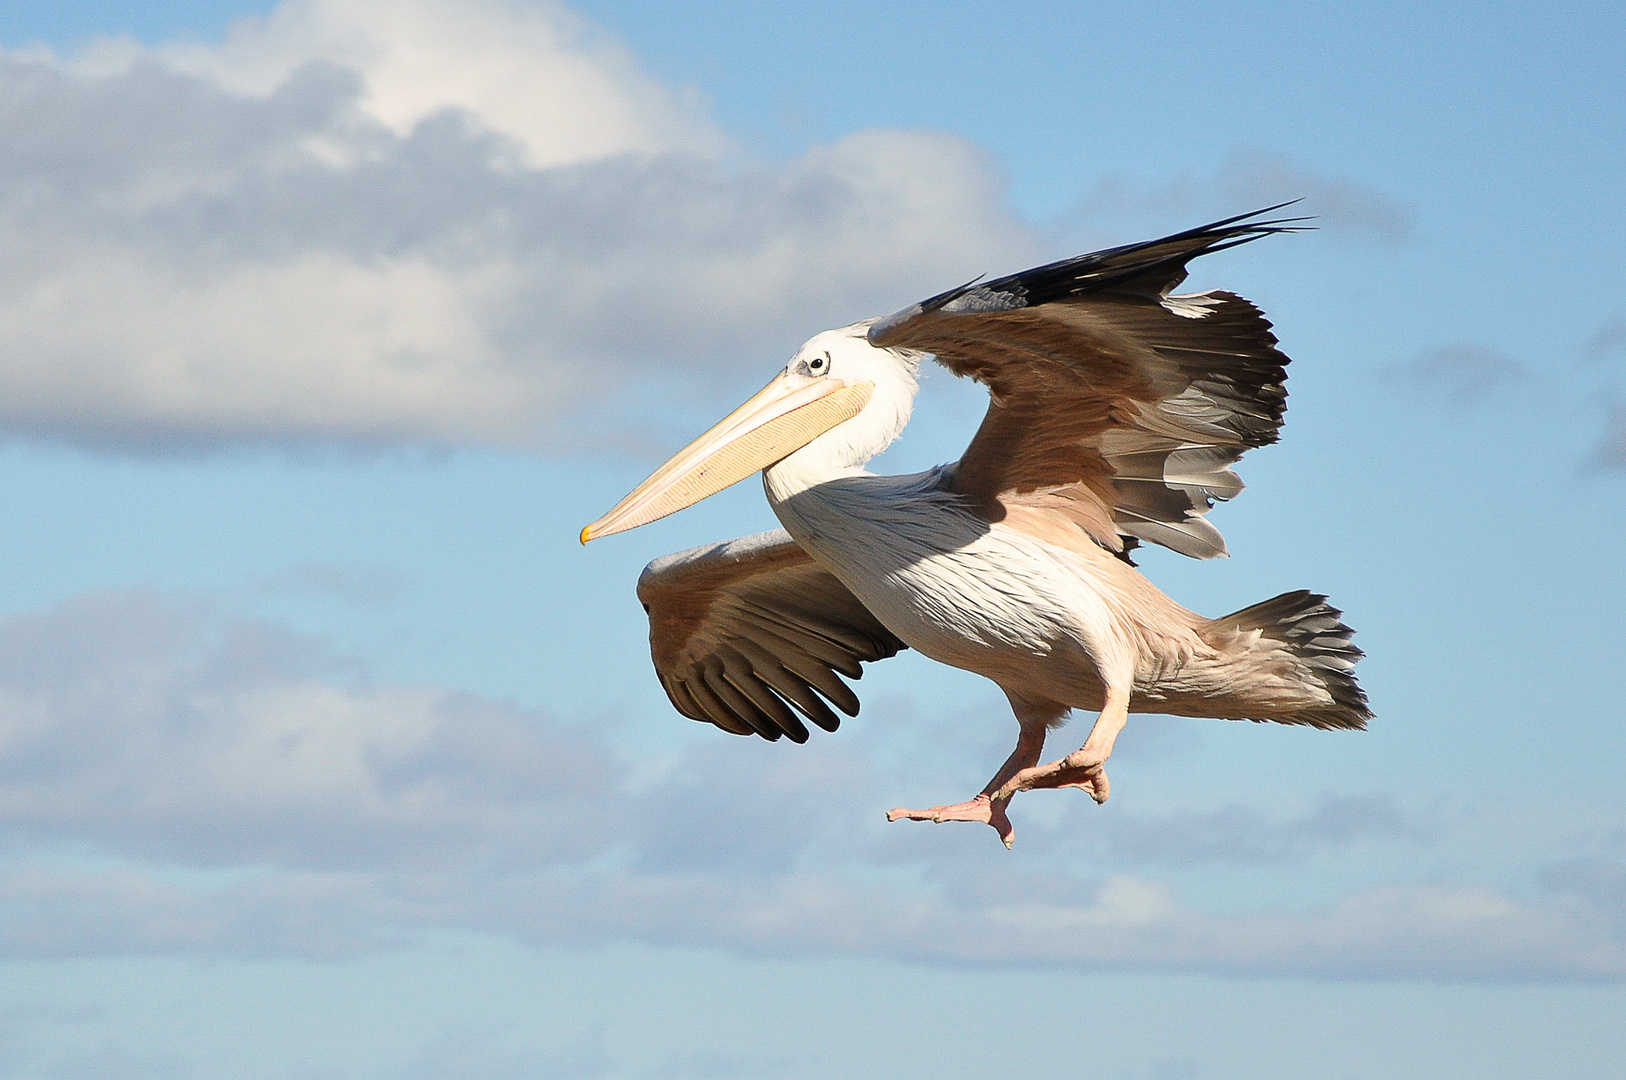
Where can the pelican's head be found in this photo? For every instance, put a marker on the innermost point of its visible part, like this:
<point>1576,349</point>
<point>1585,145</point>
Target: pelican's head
<point>838,403</point>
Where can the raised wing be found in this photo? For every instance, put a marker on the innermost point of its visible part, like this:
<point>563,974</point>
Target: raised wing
<point>1113,402</point>
<point>741,631</point>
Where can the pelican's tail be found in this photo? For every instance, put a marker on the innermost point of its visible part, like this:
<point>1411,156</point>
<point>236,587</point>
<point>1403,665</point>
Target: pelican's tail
<point>1292,662</point>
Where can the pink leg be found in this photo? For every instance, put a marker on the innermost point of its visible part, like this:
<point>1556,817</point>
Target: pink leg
<point>985,808</point>
<point>1085,767</point>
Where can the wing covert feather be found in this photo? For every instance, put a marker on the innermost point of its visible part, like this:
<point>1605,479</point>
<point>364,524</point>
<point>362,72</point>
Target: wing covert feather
<point>747,634</point>
<point>1113,402</point>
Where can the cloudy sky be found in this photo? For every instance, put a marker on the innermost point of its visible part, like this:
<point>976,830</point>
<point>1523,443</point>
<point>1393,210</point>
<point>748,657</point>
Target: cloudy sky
<point>326,752</point>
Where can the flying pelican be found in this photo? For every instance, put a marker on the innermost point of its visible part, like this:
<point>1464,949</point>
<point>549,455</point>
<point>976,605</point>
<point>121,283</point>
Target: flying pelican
<point>1116,408</point>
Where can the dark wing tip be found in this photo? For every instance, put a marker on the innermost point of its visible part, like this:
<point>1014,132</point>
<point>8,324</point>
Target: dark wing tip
<point>1160,262</point>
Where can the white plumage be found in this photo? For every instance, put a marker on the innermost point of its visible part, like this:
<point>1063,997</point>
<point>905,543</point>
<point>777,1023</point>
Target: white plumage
<point>1117,409</point>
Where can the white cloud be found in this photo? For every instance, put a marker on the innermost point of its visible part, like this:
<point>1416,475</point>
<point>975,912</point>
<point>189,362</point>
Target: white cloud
<point>170,736</point>
<point>531,70</point>
<point>427,222</point>
<point>172,781</point>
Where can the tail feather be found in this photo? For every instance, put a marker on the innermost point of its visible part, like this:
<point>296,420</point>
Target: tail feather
<point>1314,633</point>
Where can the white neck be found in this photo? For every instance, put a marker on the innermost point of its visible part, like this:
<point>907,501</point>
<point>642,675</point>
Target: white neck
<point>846,448</point>
<point>807,468</point>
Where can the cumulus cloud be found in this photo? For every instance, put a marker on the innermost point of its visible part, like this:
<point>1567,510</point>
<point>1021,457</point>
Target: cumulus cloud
<point>425,222</point>
<point>173,781</point>
<point>171,736</point>
<point>531,70</point>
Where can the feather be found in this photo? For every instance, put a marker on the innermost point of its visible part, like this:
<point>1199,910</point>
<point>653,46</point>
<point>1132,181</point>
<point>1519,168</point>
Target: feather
<point>1134,401</point>
<point>743,631</point>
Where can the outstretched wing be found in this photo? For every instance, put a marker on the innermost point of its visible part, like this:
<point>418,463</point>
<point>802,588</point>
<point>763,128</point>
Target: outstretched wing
<point>1113,402</point>
<point>743,630</point>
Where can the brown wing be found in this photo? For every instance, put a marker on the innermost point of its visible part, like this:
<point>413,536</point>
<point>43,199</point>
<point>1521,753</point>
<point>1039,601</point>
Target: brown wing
<point>1113,401</point>
<point>742,631</point>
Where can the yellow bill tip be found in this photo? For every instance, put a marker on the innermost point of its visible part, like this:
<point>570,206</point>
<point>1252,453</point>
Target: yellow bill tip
<point>587,534</point>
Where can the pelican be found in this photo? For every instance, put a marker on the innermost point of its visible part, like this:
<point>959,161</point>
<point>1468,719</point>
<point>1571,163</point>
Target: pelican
<point>1116,408</point>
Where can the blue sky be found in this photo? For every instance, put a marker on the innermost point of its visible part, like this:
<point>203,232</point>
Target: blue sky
<point>325,751</point>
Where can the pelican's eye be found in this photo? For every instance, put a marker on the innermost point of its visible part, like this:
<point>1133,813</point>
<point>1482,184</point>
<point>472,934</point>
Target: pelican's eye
<point>819,364</point>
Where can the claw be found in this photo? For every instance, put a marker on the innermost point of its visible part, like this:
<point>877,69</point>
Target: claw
<point>1074,770</point>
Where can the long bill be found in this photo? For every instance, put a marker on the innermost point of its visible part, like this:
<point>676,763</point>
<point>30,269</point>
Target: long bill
<point>784,416</point>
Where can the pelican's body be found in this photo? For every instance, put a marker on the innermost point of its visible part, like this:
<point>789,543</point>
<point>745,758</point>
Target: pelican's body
<point>987,598</point>
<point>1050,616</point>
<point>1116,410</point>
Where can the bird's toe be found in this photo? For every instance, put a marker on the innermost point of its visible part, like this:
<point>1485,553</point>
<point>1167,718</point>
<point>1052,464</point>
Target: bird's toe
<point>982,808</point>
<point>1074,770</point>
